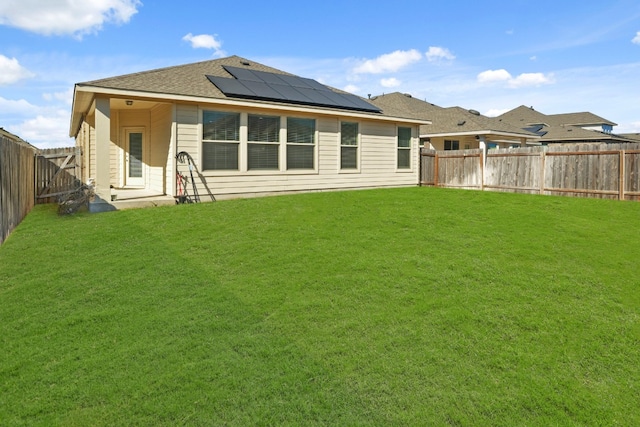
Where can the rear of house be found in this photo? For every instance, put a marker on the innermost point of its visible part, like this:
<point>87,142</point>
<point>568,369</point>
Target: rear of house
<point>250,129</point>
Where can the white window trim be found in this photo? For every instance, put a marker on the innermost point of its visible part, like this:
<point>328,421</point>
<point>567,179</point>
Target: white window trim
<point>412,143</point>
<point>315,147</point>
<point>243,167</point>
<point>358,147</point>
<point>201,141</point>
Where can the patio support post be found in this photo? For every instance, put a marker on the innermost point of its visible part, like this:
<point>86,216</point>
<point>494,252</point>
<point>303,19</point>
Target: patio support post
<point>103,140</point>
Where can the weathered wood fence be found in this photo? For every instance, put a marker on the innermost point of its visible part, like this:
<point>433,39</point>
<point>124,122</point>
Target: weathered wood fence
<point>581,170</point>
<point>29,176</point>
<point>17,172</point>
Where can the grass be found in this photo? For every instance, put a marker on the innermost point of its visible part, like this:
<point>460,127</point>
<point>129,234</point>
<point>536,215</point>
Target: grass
<point>408,306</point>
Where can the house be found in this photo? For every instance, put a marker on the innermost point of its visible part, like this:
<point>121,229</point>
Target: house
<point>249,128</point>
<point>634,137</point>
<point>454,128</point>
<point>564,128</point>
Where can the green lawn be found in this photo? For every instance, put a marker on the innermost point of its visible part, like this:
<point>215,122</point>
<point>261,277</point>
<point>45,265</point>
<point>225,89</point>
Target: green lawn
<point>396,307</point>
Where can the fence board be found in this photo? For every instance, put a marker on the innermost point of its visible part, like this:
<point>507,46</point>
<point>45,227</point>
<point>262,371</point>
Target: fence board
<point>427,167</point>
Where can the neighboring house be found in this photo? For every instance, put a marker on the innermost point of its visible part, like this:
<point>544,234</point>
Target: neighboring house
<point>454,128</point>
<point>563,128</point>
<point>635,137</point>
<point>8,135</point>
<point>251,129</point>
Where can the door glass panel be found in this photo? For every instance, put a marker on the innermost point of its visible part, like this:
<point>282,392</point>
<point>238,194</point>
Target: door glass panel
<point>135,155</point>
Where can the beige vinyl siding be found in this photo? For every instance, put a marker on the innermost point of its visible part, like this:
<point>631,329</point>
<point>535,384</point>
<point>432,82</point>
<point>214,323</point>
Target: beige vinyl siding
<point>116,156</point>
<point>85,139</point>
<point>188,131</point>
<point>378,147</point>
<point>91,155</point>
<point>328,146</point>
<point>170,177</point>
<point>159,143</point>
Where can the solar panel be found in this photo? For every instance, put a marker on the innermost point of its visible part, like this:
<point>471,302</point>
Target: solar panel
<point>233,86</point>
<point>253,84</point>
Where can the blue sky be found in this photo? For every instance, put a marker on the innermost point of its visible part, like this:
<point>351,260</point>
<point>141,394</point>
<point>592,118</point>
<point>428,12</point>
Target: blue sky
<point>491,56</point>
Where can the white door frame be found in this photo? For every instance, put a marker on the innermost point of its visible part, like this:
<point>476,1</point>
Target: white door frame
<point>139,178</point>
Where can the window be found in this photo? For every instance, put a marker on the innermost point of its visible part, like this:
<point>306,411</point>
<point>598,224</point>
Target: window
<point>221,138</point>
<point>301,136</point>
<point>451,145</point>
<point>404,148</point>
<point>263,142</point>
<point>348,145</point>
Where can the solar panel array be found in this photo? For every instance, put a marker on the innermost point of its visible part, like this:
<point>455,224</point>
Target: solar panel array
<point>537,129</point>
<point>253,84</point>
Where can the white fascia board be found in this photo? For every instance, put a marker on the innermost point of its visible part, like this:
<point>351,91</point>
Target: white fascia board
<point>248,103</point>
<point>480,132</point>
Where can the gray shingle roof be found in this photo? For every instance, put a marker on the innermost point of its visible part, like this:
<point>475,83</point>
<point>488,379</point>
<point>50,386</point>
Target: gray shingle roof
<point>632,136</point>
<point>584,119</point>
<point>185,80</point>
<point>562,127</point>
<point>444,120</point>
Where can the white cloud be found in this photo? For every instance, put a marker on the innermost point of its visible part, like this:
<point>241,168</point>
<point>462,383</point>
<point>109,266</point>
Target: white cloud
<point>351,88</point>
<point>9,106</point>
<point>491,76</point>
<point>60,17</point>
<point>12,71</point>
<point>389,62</point>
<point>66,97</point>
<point>205,41</point>
<point>531,79</point>
<point>435,54</point>
<point>523,80</point>
<point>390,82</point>
<point>495,112</point>
<point>46,131</point>
<point>636,39</point>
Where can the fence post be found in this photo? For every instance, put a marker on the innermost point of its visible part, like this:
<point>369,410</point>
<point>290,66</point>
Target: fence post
<point>482,163</point>
<point>543,158</point>
<point>622,176</point>
<point>436,168</point>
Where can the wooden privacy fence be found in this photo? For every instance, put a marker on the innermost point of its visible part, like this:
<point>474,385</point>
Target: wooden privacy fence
<point>17,171</point>
<point>580,170</point>
<point>57,173</point>
<point>29,176</point>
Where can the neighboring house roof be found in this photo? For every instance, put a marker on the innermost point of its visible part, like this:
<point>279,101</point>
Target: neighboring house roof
<point>632,136</point>
<point>16,138</point>
<point>554,128</point>
<point>583,119</point>
<point>524,116</point>
<point>188,82</point>
<point>447,121</point>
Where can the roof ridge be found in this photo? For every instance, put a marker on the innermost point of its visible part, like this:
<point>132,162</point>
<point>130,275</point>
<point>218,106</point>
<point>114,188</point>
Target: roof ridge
<point>168,68</point>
